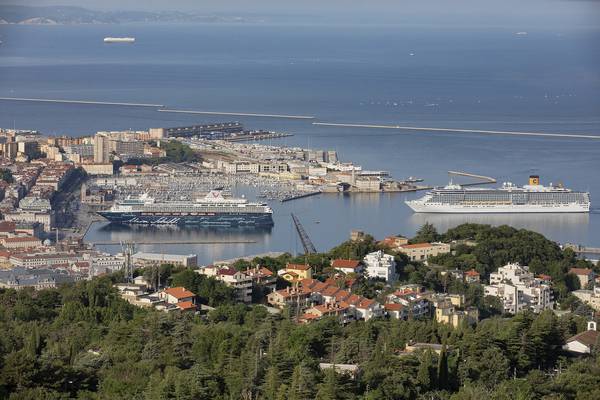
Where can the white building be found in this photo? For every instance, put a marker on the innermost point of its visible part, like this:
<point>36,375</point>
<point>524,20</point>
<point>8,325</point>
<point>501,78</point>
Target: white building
<point>583,342</point>
<point>519,290</point>
<point>380,265</point>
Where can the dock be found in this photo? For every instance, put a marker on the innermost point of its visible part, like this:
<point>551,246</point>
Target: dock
<point>88,102</point>
<point>299,196</point>
<point>458,130</point>
<point>238,114</point>
<point>582,249</point>
<point>483,180</point>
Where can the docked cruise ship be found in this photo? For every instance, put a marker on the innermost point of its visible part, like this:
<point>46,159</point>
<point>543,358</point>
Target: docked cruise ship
<point>531,198</point>
<point>212,210</point>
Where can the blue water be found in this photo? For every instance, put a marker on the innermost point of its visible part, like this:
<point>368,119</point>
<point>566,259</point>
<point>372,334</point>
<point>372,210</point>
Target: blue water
<point>546,81</point>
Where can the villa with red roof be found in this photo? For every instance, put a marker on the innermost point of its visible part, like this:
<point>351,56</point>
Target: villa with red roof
<point>347,266</point>
<point>176,295</point>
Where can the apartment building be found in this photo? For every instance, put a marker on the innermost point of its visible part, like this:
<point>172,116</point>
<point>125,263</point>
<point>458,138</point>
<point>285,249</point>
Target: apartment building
<point>519,290</point>
<point>380,265</point>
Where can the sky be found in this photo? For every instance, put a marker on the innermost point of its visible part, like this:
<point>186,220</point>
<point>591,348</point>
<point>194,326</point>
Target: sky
<point>585,12</point>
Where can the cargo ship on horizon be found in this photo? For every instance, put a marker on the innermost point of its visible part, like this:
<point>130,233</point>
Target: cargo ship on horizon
<point>531,198</point>
<point>213,210</point>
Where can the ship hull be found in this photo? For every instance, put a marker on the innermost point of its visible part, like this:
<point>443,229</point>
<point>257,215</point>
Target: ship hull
<point>495,209</point>
<point>217,220</point>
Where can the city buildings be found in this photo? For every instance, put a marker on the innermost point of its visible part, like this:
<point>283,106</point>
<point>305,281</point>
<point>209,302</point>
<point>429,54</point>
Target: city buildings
<point>380,265</point>
<point>311,299</point>
<point>519,290</point>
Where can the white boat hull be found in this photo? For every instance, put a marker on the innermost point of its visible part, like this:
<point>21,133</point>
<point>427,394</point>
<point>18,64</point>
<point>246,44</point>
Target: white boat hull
<point>421,207</point>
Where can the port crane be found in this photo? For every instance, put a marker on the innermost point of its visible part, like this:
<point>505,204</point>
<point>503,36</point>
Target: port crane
<point>309,247</point>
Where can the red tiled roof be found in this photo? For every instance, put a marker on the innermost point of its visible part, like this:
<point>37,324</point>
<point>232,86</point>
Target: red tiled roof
<point>345,263</point>
<point>588,337</point>
<point>472,272</point>
<point>580,271</point>
<point>544,277</point>
<point>393,306</point>
<point>186,305</point>
<point>179,292</point>
<point>299,267</point>
<point>227,271</point>
<point>415,246</point>
<point>21,239</point>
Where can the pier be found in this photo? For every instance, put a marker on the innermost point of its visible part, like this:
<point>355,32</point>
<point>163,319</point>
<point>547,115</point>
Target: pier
<point>484,180</point>
<point>582,249</point>
<point>176,242</point>
<point>419,128</point>
<point>309,247</point>
<point>238,114</point>
<point>299,196</point>
<point>87,102</point>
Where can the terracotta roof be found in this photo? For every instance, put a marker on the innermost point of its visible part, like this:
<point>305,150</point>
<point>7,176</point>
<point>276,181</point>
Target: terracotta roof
<point>299,267</point>
<point>186,305</point>
<point>472,272</point>
<point>227,271</point>
<point>330,291</point>
<point>588,337</point>
<point>259,271</point>
<point>544,277</point>
<point>365,303</point>
<point>179,292</point>
<point>7,226</point>
<point>21,239</point>
<point>415,246</point>
<point>580,271</point>
<point>393,306</point>
<point>345,263</point>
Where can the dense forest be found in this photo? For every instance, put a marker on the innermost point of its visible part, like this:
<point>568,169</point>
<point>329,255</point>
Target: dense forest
<point>83,341</point>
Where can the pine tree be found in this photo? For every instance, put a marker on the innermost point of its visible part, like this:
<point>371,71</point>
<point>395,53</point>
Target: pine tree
<point>442,369</point>
<point>328,389</point>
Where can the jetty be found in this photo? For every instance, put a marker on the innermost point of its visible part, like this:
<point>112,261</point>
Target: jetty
<point>459,130</point>
<point>483,180</point>
<point>88,102</point>
<point>238,114</point>
<point>582,249</point>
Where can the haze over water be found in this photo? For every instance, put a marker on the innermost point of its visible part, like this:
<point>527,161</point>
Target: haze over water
<point>474,78</point>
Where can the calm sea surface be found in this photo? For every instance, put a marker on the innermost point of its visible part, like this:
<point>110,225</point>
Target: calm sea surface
<point>546,81</point>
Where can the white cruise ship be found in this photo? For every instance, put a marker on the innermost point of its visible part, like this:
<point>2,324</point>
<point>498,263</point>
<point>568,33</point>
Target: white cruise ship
<point>212,210</point>
<point>119,40</point>
<point>532,198</point>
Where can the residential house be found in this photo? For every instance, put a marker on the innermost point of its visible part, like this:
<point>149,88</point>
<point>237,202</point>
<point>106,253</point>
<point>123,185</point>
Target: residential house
<point>422,251</point>
<point>584,342</point>
<point>585,276</point>
<point>176,295</point>
<point>296,272</point>
<point>472,276</point>
<point>347,266</point>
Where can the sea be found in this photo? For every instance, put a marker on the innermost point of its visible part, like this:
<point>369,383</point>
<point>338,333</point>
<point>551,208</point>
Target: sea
<point>543,80</point>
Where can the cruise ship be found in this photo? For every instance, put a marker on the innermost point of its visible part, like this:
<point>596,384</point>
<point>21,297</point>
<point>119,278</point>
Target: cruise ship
<point>212,210</point>
<point>119,40</point>
<point>531,198</point>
